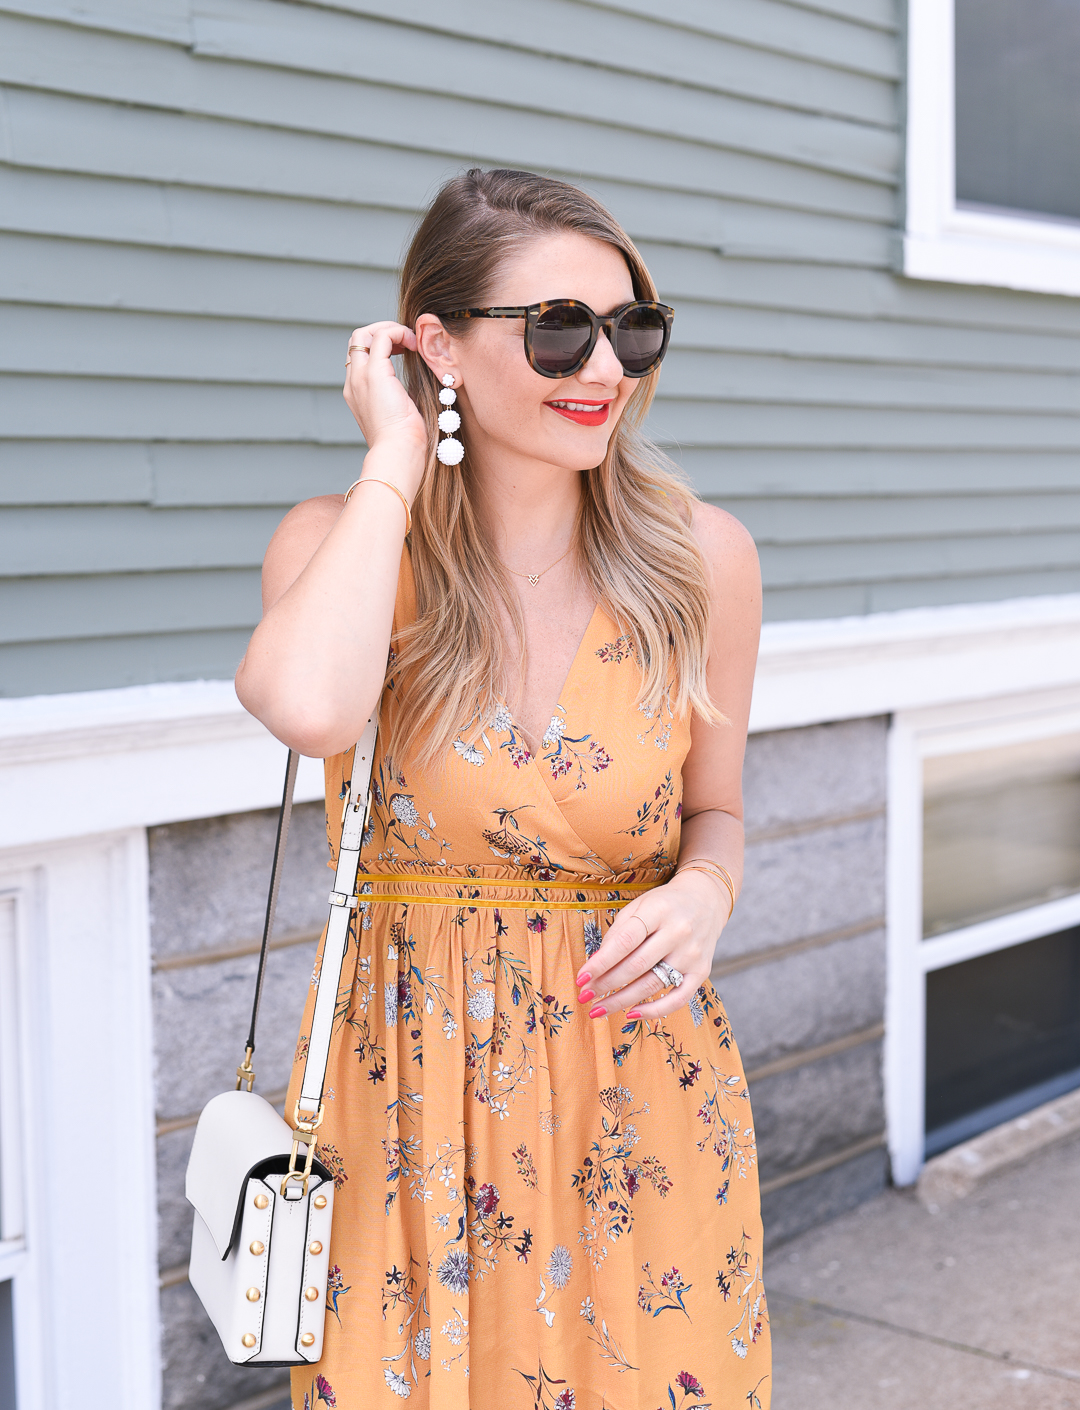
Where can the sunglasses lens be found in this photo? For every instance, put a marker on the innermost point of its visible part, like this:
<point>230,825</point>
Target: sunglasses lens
<point>639,339</point>
<point>560,337</point>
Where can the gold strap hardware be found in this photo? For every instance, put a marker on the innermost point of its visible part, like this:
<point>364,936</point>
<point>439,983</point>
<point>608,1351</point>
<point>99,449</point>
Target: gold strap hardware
<point>304,1129</point>
<point>245,1072</point>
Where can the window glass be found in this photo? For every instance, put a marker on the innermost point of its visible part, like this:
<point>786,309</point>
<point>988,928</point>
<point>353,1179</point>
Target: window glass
<point>1001,1024</point>
<point>7,1350</point>
<point>1018,105</point>
<point>1001,830</point>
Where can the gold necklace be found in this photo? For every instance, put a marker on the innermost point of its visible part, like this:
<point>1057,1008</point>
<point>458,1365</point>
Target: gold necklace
<point>534,578</point>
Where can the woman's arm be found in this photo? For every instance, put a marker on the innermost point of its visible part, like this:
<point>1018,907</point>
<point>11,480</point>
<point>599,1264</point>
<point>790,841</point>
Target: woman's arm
<point>712,773</point>
<point>315,664</point>
<point>681,921</point>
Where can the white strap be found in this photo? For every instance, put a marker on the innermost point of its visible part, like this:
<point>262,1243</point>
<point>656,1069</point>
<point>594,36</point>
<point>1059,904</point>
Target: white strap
<point>342,903</point>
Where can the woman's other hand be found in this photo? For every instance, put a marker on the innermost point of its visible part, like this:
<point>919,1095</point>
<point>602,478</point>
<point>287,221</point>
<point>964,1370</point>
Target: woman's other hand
<point>683,918</point>
<point>680,923</point>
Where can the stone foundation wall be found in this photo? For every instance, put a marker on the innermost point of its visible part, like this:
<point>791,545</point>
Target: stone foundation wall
<point>801,969</point>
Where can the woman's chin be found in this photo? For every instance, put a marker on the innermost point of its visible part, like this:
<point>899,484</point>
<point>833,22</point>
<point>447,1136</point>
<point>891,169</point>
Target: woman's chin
<point>582,450</point>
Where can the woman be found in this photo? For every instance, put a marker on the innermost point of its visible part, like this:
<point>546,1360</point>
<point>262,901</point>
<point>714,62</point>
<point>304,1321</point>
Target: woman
<point>536,1114</point>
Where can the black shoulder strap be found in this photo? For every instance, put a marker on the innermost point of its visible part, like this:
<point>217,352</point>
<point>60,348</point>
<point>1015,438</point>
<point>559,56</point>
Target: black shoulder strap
<point>245,1072</point>
<point>343,900</point>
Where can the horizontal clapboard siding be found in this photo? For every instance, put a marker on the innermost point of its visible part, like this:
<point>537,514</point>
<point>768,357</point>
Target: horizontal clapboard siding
<point>200,198</point>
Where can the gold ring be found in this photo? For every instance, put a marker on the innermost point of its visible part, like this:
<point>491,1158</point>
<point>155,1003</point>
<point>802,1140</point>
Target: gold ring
<point>357,347</point>
<point>648,932</point>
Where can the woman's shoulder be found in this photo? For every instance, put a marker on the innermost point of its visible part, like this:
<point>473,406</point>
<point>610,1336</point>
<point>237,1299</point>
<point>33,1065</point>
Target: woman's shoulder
<point>307,524</point>
<point>725,543</point>
<point>295,540</point>
<point>311,515</point>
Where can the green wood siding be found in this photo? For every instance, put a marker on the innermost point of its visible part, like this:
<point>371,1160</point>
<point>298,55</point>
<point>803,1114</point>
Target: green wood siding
<point>200,198</point>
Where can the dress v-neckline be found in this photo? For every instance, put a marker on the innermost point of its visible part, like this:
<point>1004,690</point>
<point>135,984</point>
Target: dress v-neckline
<point>534,757</point>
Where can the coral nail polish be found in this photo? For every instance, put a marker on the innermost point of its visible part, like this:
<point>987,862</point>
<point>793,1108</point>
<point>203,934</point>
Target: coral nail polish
<point>585,996</point>
<point>584,978</point>
<point>597,1012</point>
<point>634,1013</point>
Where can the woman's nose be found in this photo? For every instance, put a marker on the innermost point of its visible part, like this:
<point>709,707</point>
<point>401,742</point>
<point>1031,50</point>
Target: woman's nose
<point>603,366</point>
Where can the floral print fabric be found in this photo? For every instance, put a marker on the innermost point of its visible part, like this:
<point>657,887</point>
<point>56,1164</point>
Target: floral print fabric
<point>534,1209</point>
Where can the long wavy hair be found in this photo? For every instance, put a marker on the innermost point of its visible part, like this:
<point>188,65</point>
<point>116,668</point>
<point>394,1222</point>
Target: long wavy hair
<point>634,543</point>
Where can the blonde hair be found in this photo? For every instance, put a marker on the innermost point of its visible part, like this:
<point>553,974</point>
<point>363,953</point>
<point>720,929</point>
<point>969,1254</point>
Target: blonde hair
<point>635,546</point>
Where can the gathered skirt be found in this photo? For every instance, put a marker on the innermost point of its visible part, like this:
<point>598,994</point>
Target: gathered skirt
<point>534,1208</point>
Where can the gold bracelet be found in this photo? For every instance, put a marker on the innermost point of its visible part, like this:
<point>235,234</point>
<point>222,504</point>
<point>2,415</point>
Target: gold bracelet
<point>374,480</point>
<point>707,864</point>
<point>713,869</point>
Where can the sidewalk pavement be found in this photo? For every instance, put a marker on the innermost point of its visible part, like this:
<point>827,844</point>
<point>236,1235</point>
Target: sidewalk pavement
<point>974,1307</point>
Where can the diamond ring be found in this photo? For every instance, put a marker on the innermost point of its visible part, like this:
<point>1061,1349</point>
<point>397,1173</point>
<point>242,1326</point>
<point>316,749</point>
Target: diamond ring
<point>668,973</point>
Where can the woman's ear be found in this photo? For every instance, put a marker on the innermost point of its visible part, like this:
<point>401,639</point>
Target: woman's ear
<point>437,348</point>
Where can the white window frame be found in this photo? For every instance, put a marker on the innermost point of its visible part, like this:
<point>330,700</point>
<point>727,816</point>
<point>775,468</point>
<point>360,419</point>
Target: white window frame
<point>916,735</point>
<point>78,1117</point>
<point>957,244</point>
<point>16,892</point>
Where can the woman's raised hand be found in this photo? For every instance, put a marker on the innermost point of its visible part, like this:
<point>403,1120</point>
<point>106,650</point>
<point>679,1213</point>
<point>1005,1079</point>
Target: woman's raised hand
<point>383,409</point>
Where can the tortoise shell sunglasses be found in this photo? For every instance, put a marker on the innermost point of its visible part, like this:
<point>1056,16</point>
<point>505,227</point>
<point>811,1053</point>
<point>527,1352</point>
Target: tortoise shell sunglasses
<point>560,334</point>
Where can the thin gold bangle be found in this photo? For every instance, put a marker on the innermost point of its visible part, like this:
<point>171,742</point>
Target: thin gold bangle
<point>374,480</point>
<point>715,870</point>
<point>707,864</point>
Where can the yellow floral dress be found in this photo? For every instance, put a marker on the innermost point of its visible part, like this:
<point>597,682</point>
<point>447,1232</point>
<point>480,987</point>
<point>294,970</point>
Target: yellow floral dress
<point>535,1210</point>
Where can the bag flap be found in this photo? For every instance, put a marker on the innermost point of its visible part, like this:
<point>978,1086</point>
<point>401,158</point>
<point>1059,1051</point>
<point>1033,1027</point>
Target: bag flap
<point>236,1131</point>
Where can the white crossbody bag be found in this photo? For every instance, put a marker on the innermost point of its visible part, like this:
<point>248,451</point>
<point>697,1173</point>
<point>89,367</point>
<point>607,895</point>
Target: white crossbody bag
<point>263,1200</point>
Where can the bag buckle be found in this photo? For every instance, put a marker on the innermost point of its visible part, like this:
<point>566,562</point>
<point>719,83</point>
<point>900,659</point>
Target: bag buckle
<point>342,898</point>
<point>304,1129</point>
<point>245,1072</point>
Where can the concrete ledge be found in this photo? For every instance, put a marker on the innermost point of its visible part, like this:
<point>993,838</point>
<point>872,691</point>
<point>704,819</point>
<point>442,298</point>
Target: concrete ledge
<point>956,1173</point>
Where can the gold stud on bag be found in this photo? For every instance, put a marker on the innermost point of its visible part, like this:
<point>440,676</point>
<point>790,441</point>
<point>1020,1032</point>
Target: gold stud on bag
<point>263,1200</point>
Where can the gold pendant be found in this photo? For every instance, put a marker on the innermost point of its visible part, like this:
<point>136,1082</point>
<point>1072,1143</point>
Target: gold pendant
<point>533,578</point>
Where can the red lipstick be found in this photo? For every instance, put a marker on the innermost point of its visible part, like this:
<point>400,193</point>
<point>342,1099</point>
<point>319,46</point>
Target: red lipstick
<point>585,413</point>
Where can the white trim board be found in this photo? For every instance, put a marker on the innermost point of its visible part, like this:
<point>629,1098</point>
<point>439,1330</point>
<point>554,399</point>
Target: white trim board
<point>957,244</point>
<point>851,667</point>
<point>105,760</point>
<point>915,735</point>
<point>87,1335</point>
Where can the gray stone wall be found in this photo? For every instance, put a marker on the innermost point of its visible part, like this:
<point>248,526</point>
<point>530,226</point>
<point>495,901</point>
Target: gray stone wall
<point>801,967</point>
<point>208,883</point>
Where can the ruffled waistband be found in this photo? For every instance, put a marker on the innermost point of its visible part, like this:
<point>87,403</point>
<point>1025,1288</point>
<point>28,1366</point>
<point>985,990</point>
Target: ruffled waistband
<point>508,892</point>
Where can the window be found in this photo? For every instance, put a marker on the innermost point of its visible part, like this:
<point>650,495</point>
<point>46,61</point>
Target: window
<point>12,1246</point>
<point>993,143</point>
<point>983,999</point>
<point>1001,830</point>
<point>7,1347</point>
<point>1002,1035</point>
<point>1018,105</point>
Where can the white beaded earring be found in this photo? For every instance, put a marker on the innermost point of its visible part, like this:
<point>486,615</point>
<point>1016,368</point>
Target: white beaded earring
<point>449,450</point>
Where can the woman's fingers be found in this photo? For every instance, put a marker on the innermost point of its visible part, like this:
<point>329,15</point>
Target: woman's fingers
<point>646,993</point>
<point>644,933</point>
<point>379,340</point>
<point>379,402</point>
<point>678,925</point>
<point>666,1003</point>
<point>639,991</point>
<point>621,971</point>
